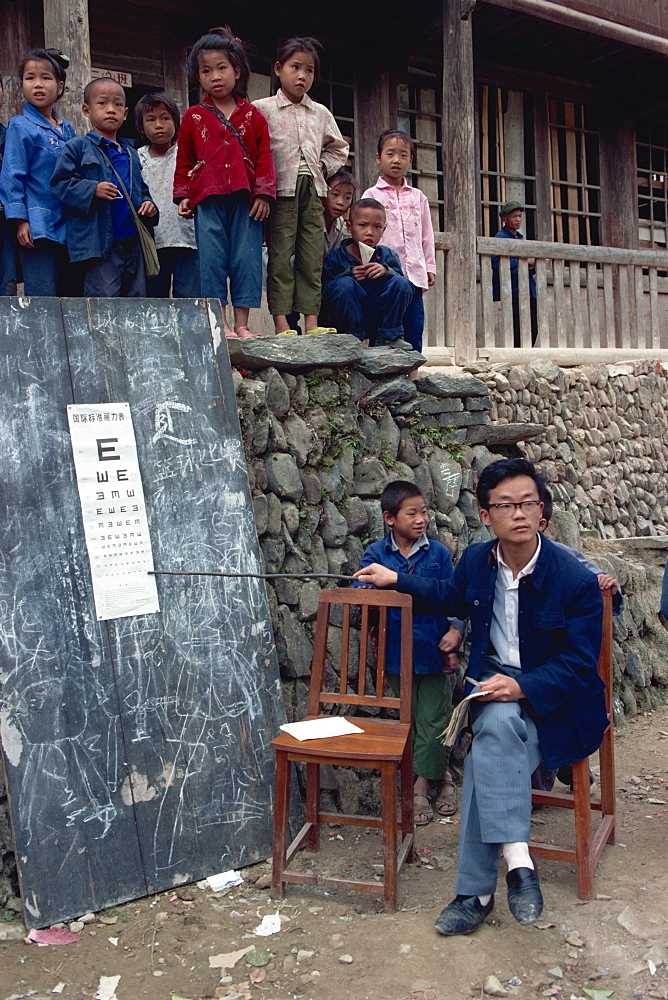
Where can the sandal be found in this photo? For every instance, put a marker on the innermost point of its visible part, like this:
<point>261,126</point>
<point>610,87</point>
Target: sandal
<point>322,329</point>
<point>245,333</point>
<point>288,333</point>
<point>446,802</point>
<point>422,809</point>
<point>230,334</point>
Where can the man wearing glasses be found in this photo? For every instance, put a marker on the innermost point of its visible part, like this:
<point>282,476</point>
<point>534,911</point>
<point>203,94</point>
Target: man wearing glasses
<point>535,617</point>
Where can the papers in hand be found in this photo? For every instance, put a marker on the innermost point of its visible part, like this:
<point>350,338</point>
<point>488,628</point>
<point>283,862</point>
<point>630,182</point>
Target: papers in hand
<point>366,252</point>
<point>320,729</point>
<point>459,719</point>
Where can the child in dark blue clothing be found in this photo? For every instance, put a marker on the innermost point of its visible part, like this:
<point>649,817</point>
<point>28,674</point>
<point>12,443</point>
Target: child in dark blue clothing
<point>87,179</point>
<point>407,549</point>
<point>366,298</point>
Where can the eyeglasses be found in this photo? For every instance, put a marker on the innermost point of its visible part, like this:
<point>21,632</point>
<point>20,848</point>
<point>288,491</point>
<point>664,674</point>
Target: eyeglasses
<point>506,509</point>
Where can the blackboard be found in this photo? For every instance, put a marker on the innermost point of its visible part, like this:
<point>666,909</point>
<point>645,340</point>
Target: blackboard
<point>136,750</point>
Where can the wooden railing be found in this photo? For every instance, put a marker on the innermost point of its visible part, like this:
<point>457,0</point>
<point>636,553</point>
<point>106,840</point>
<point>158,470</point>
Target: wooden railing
<point>585,297</point>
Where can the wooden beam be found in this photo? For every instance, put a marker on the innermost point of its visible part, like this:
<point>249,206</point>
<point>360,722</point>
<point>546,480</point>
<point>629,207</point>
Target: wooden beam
<point>619,192</point>
<point>66,28</point>
<point>16,41</point>
<point>572,251</point>
<point>376,106</point>
<point>459,166</point>
<point>557,14</point>
<point>174,53</point>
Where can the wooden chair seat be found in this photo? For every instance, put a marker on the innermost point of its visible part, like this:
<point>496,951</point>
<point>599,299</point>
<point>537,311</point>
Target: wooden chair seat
<point>588,847</point>
<point>385,746</point>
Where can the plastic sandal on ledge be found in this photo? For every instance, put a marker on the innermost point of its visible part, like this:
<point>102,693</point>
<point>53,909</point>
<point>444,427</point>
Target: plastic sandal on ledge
<point>244,333</point>
<point>321,329</point>
<point>287,333</point>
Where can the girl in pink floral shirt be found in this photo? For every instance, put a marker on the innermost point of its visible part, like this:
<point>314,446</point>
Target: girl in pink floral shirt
<point>409,230</point>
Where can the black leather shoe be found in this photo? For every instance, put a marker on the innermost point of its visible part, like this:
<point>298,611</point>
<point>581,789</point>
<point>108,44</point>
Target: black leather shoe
<point>525,900</point>
<point>463,915</point>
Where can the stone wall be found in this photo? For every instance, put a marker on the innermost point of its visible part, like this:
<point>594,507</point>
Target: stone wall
<point>321,444</point>
<point>604,446</point>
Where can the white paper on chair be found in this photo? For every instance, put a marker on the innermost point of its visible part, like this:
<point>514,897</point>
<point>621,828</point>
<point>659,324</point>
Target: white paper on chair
<point>320,729</point>
<point>366,252</point>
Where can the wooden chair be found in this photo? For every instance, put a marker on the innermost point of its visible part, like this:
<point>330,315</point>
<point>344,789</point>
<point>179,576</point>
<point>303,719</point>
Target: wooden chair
<point>588,847</point>
<point>385,745</point>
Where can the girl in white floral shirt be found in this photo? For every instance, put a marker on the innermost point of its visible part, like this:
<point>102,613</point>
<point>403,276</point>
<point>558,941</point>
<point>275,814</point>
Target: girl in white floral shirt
<point>308,148</point>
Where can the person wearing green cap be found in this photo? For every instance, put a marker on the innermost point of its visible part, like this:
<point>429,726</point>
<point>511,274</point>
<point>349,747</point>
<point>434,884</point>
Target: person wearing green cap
<point>511,220</point>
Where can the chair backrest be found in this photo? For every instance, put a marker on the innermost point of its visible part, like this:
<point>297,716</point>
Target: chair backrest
<point>366,600</point>
<point>605,656</point>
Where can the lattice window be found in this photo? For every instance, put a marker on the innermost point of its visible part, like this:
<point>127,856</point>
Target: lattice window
<point>336,90</point>
<point>507,158</point>
<point>419,114</point>
<point>574,172</point>
<point>652,161</point>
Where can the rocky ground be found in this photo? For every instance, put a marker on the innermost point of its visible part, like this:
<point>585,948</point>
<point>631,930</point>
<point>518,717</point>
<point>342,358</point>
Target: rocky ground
<point>335,946</point>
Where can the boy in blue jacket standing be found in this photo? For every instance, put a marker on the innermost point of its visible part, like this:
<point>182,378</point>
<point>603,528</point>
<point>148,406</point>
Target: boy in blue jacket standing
<point>89,177</point>
<point>367,299</point>
<point>535,617</point>
<point>407,549</point>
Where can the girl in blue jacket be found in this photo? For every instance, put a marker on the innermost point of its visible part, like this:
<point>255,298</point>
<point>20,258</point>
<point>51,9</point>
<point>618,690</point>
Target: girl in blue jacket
<point>34,139</point>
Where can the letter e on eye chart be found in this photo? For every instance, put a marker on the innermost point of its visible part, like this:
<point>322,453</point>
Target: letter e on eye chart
<point>113,509</point>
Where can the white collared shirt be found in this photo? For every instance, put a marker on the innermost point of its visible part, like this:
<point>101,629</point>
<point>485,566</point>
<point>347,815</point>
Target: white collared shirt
<point>420,543</point>
<point>504,631</point>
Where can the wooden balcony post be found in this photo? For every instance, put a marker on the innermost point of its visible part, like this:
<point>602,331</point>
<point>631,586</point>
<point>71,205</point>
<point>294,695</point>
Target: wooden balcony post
<point>66,28</point>
<point>459,169</point>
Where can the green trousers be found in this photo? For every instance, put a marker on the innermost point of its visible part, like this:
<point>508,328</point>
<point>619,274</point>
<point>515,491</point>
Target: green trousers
<point>432,708</point>
<point>296,227</point>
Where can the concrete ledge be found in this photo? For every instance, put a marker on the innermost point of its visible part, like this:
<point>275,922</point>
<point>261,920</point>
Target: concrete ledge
<point>563,356</point>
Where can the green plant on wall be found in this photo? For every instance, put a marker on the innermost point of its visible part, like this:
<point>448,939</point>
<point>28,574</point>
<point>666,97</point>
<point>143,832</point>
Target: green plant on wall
<point>437,437</point>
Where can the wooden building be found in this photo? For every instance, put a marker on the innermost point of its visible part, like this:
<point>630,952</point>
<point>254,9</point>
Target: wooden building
<point>560,105</point>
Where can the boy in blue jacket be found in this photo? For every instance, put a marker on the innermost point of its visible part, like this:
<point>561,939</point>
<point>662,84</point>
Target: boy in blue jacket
<point>407,549</point>
<point>367,300</point>
<point>87,179</point>
<point>535,617</point>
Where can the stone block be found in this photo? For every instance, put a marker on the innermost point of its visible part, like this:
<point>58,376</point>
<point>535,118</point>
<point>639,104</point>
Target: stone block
<point>502,434</point>
<point>277,394</point>
<point>290,517</point>
<point>299,438</point>
<point>295,354</point>
<point>308,600</point>
<point>274,515</point>
<point>399,390</point>
<point>371,477</point>
<point>260,513</point>
<point>449,386</point>
<point>333,528</point>
<point>312,488</point>
<point>282,474</point>
<point>379,362</point>
<point>299,649</point>
<point>446,476</point>
<point>440,406</point>
<point>407,452</point>
<point>356,516</point>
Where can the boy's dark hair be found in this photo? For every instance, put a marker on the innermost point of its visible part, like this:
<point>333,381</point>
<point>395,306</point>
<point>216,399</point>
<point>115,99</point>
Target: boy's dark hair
<point>545,498</point>
<point>88,89</point>
<point>395,493</point>
<point>342,176</point>
<point>54,57</point>
<point>505,468</point>
<point>297,44</point>
<point>221,39</point>
<point>150,101</point>
<point>389,132</point>
<point>365,203</point>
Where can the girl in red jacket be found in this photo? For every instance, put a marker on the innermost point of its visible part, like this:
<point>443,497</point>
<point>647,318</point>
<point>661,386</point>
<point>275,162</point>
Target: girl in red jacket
<point>225,175</point>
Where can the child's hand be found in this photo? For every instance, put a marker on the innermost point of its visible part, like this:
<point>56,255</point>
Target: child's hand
<point>607,582</point>
<point>107,191</point>
<point>23,234</point>
<point>359,272</point>
<point>147,208</point>
<point>450,663</point>
<point>184,209</point>
<point>260,208</point>
<point>376,575</point>
<point>431,279</point>
<point>376,271</point>
<point>451,640</point>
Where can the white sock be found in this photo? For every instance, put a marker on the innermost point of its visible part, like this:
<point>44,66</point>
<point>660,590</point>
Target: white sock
<point>484,900</point>
<point>517,855</point>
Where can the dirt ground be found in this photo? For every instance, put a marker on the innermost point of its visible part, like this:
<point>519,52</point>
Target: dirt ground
<point>615,945</point>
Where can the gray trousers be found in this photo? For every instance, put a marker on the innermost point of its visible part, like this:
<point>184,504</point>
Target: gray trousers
<point>496,795</point>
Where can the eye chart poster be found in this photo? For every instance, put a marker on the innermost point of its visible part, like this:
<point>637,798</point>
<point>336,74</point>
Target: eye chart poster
<point>113,508</point>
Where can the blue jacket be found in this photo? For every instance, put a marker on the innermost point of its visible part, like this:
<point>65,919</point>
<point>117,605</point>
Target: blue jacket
<point>79,169</point>
<point>560,616</point>
<point>507,234</point>
<point>434,562</point>
<point>31,149</point>
<point>340,262</point>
